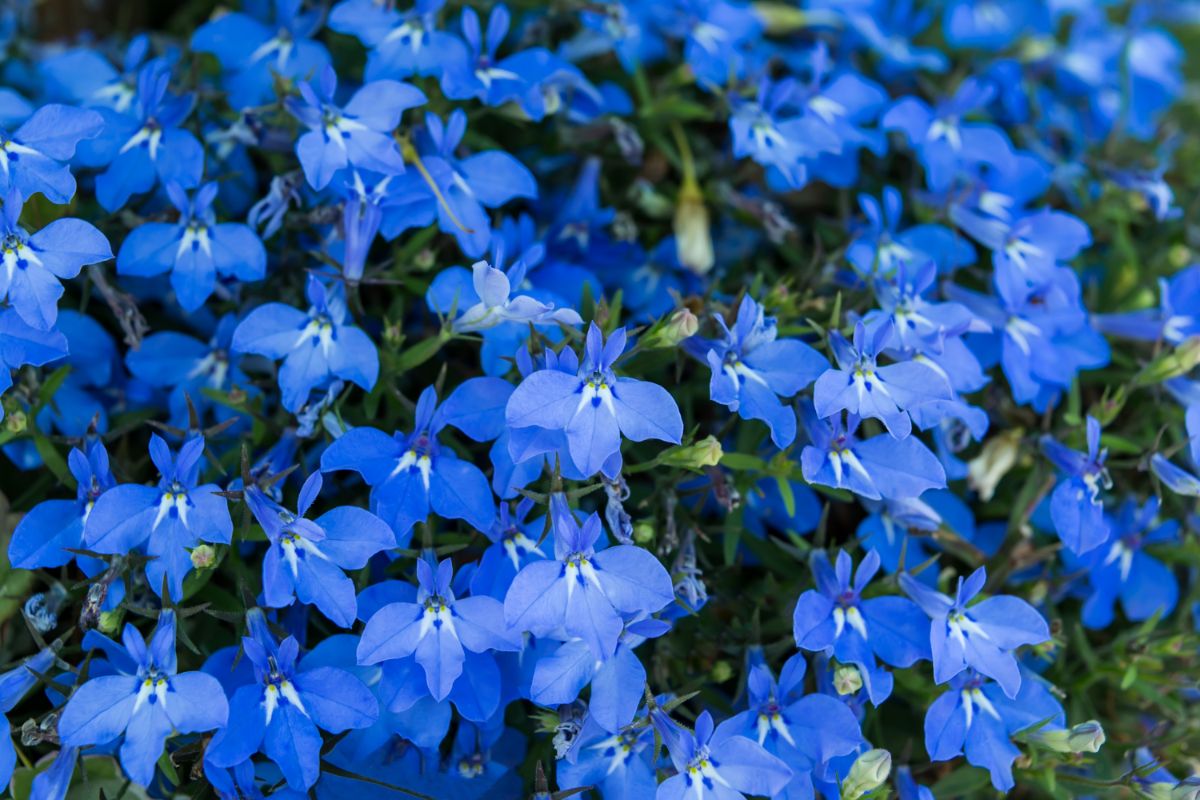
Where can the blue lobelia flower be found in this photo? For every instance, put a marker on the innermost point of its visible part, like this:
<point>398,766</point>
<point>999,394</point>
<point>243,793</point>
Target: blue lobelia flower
<point>400,43</point>
<point>187,366</point>
<point>474,71</point>
<point>488,298</point>
<point>586,592</point>
<point>836,619</point>
<point>253,50</point>
<point>718,764</point>
<point>514,544</point>
<point>195,250</point>
<point>470,184</point>
<point>976,718</point>
<point>306,558</point>
<point>44,535</point>
<point>617,681</point>
<point>14,685</point>
<point>879,247</point>
<point>750,367</point>
<point>944,143</point>
<point>317,346</point>
<point>175,516</point>
<point>773,130</point>
<point>993,25</point>
<point>32,159</point>
<point>358,134</point>
<point>1121,569</point>
<point>410,474</point>
<point>616,764</point>
<point>32,267</point>
<point>147,699</point>
<point>865,389</point>
<point>981,637</point>
<point>882,466</point>
<point>1077,505</point>
<point>437,629</point>
<point>804,732</point>
<point>595,407</point>
<point>21,344</point>
<point>147,145</point>
<point>283,711</point>
<point>1175,478</point>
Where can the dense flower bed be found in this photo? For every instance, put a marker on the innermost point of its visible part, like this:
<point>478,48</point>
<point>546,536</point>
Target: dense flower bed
<point>624,398</point>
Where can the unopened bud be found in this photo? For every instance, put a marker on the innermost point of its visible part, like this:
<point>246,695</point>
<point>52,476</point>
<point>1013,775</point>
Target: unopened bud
<point>997,456</point>
<point>109,622</point>
<point>679,326</point>
<point>695,456</point>
<point>847,679</point>
<point>868,773</point>
<point>643,533</point>
<point>15,422</point>
<point>1086,737</point>
<point>693,236</point>
<point>722,671</point>
<point>204,557</point>
<point>1180,361</point>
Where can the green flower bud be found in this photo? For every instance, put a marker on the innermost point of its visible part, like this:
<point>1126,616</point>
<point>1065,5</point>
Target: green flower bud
<point>1188,789</point>
<point>204,557</point>
<point>695,456</point>
<point>15,422</point>
<point>109,622</point>
<point>847,679</point>
<point>669,333</point>
<point>868,773</point>
<point>1086,737</point>
<point>722,671</point>
<point>693,235</point>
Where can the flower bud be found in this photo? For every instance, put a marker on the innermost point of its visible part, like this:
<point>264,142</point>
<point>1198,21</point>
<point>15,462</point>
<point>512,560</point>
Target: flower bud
<point>722,671</point>
<point>1086,737</point>
<point>693,237</point>
<point>110,621</point>
<point>997,456</point>
<point>669,333</point>
<point>847,679</point>
<point>695,456</point>
<point>643,533</point>
<point>204,557</point>
<point>15,422</point>
<point>868,774</point>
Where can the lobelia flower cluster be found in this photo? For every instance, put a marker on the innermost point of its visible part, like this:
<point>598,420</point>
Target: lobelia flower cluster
<point>676,399</point>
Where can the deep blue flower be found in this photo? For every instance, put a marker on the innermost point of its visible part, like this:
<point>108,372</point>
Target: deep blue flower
<point>316,346</point>
<point>437,629</point>
<point>881,246</point>
<point>836,618</point>
<point>170,518</point>
<point>44,535</point>
<point>284,709</point>
<point>718,764</point>
<point>595,407</point>
<point>805,732</point>
<point>981,637</point>
<point>774,132</point>
<point>253,50</point>
<point>400,43</point>
<point>195,250</point>
<point>21,344</point>
<point>358,134</point>
<point>146,699</point>
<point>146,145</point>
<point>474,71</point>
<point>584,592</point>
<point>410,474</point>
<point>617,764</point>
<point>32,267</point>
<point>863,388</point>
<point>1077,505</point>
<point>1121,569</point>
<point>515,543</point>
<point>882,466</point>
<point>750,366</point>
<point>32,159</point>
<point>306,558</point>
<point>977,718</point>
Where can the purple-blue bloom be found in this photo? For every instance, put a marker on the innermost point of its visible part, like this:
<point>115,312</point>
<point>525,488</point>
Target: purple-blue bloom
<point>317,346</point>
<point>32,158</point>
<point>195,250</point>
<point>595,407</point>
<point>306,558</point>
<point>145,698</point>
<point>981,637</point>
<point>1077,505</point>
<point>169,519</point>
<point>583,592</point>
<point>410,474</point>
